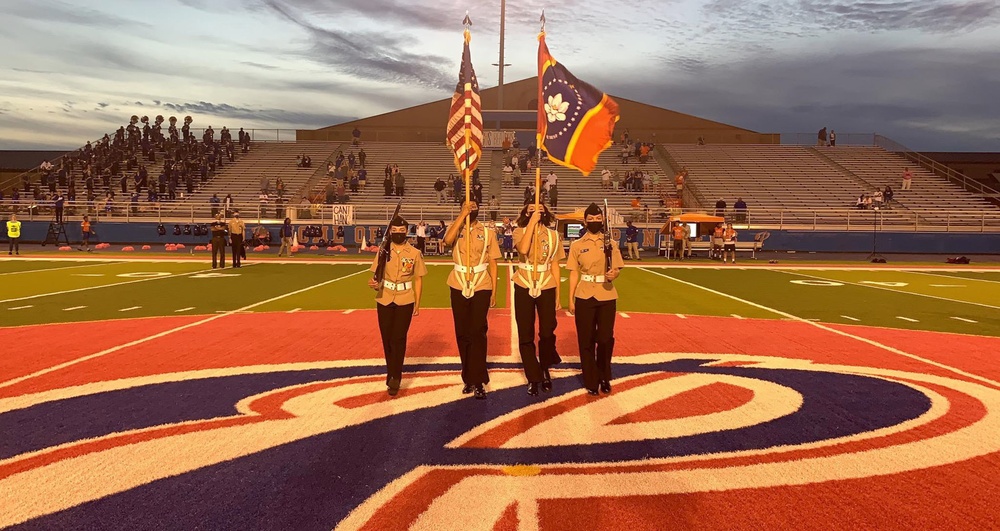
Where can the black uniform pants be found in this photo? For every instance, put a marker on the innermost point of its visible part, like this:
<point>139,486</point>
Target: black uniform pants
<point>393,324</point>
<point>595,327</point>
<point>218,250</point>
<point>525,308</point>
<point>14,246</point>
<point>470,334</point>
<point>237,240</point>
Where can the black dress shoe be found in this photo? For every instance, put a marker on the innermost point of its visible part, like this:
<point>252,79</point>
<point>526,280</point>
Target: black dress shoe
<point>393,386</point>
<point>533,389</point>
<point>480,392</point>
<point>546,381</point>
<point>592,392</point>
<point>467,389</point>
<point>605,387</point>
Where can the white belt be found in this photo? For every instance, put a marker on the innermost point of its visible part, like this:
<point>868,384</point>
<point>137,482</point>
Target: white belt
<point>393,286</point>
<point>541,268</point>
<point>475,269</point>
<point>592,278</point>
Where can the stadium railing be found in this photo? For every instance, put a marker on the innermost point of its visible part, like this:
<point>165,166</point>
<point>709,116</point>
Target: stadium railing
<point>846,219</point>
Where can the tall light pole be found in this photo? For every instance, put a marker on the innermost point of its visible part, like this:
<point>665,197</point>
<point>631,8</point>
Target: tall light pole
<point>501,64</point>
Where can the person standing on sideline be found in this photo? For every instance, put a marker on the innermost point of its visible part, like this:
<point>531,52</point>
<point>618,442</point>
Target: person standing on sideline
<point>14,235</point>
<point>508,239</point>
<point>679,234</point>
<point>218,242</point>
<point>593,300</point>
<point>536,290</point>
<point>632,241</point>
<point>85,231</point>
<point>397,299</point>
<point>907,178</point>
<point>729,243</point>
<point>237,230</point>
<point>473,292</point>
<point>421,233</point>
<point>285,233</point>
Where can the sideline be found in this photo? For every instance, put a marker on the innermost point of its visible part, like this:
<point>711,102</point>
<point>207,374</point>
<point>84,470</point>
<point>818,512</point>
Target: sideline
<point>105,262</point>
<point>871,342</point>
<point>140,341</point>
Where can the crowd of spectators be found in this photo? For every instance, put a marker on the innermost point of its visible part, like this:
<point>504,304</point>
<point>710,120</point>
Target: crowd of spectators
<point>113,173</point>
<point>875,200</point>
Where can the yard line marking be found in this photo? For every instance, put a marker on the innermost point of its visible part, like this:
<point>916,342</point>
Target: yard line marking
<point>907,319</point>
<point>955,318</point>
<point>184,309</point>
<point>88,274</point>
<point>293,310</point>
<point>681,316</point>
<point>821,326</point>
<point>21,307</point>
<point>130,309</point>
<point>73,308</point>
<point>56,268</point>
<point>102,286</point>
<point>623,314</point>
<point>948,285</point>
<point>165,333</point>
<point>957,278</point>
<point>348,312</point>
<point>737,316</point>
<point>812,319</point>
<point>890,289</point>
<point>849,318</point>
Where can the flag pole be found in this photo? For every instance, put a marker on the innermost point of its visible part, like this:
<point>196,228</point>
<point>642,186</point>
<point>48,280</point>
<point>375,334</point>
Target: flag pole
<point>535,277</point>
<point>467,172</point>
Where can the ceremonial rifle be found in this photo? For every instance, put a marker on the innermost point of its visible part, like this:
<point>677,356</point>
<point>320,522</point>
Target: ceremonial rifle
<point>383,250</point>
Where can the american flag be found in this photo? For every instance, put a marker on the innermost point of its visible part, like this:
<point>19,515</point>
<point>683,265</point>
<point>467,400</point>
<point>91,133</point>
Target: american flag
<point>466,115</point>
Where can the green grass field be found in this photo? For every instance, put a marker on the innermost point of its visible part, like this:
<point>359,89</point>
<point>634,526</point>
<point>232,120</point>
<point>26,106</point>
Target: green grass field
<point>43,291</point>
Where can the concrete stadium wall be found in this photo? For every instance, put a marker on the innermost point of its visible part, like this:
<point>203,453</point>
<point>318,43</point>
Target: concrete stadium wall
<point>780,240</point>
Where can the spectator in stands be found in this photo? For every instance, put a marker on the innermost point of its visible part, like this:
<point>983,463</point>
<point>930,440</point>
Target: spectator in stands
<point>529,194</point>
<point>554,196</point>
<point>907,178</point>
<point>477,192</point>
<point>330,193</point>
<point>860,204</point>
<point>305,208</point>
<point>505,145</point>
<point>625,152</point>
<point>508,174</point>
<point>362,178</point>
<point>605,178</point>
<point>355,183</point>
<point>821,137</point>
<point>868,202</point>
<point>387,183</point>
<point>741,210</point>
<point>362,156</point>
<point>439,190</point>
<point>720,207</point>
<point>833,138</point>
<point>887,196</point>
<point>637,208</point>
<point>643,153</point>
<point>494,207</point>
<point>877,199</point>
<point>356,138</point>
<point>265,184</point>
<point>215,202</point>
<point>550,179</point>
<point>400,183</point>
<point>279,187</point>
<point>351,160</point>
<point>701,141</point>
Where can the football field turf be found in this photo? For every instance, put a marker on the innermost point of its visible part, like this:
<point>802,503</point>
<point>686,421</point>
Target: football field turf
<point>163,394</point>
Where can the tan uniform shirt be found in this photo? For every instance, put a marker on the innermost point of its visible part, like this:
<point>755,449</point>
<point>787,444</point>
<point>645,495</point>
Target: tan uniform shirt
<point>237,227</point>
<point>404,264</point>
<point>458,252</point>
<point>546,253</point>
<point>586,256</point>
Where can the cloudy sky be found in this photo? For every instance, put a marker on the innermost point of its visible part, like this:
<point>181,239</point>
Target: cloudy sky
<point>924,72</point>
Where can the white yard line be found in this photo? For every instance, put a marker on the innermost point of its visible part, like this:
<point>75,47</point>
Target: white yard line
<point>29,297</point>
<point>55,268</point>
<point>907,319</point>
<point>681,316</point>
<point>624,315</point>
<point>957,278</point>
<point>21,307</point>
<point>948,285</point>
<point>72,308</point>
<point>821,326</point>
<point>849,318</point>
<point>293,310</point>
<point>892,290</point>
<point>963,319</point>
<point>189,308</point>
<point>140,341</point>
<point>737,316</point>
<point>346,312</point>
<point>129,309</point>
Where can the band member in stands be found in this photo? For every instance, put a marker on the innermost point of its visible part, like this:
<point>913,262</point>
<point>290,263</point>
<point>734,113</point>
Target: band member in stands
<point>536,290</point>
<point>729,244</point>
<point>593,300</point>
<point>473,292</point>
<point>397,299</point>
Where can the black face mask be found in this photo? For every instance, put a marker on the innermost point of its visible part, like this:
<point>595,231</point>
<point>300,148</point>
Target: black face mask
<point>595,226</point>
<point>473,216</point>
<point>398,238</point>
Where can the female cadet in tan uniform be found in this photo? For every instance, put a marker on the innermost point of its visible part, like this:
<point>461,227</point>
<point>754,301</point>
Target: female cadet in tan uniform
<point>593,300</point>
<point>473,291</point>
<point>398,299</point>
<point>536,289</point>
